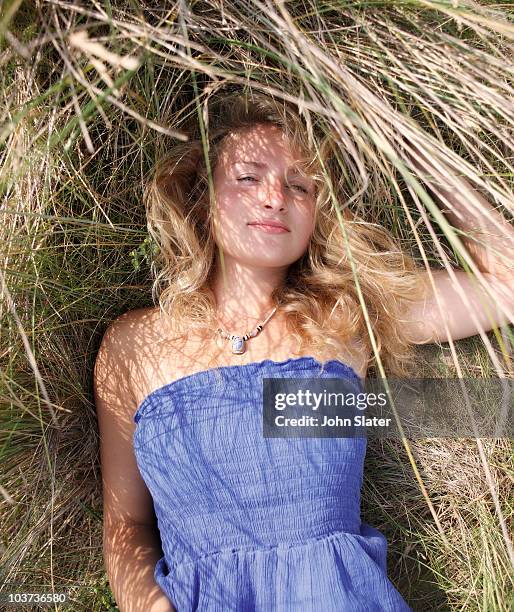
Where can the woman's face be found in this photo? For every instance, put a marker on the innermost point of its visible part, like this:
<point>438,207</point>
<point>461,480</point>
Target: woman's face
<point>255,180</point>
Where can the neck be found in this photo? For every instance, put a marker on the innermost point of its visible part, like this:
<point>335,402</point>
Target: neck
<point>243,294</point>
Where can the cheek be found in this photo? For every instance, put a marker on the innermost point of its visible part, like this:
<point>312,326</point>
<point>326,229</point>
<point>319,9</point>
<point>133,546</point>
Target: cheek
<point>228,212</point>
<point>228,199</point>
<point>308,216</point>
<point>224,204</point>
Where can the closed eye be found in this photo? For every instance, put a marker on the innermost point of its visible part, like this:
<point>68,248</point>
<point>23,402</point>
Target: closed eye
<point>300,187</point>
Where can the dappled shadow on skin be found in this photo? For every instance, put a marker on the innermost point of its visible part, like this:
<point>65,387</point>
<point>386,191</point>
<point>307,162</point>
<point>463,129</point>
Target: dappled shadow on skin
<point>131,540</point>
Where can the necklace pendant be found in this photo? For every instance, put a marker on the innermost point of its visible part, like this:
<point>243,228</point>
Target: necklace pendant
<point>238,345</point>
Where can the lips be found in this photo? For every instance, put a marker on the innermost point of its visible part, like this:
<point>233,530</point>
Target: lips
<point>270,223</point>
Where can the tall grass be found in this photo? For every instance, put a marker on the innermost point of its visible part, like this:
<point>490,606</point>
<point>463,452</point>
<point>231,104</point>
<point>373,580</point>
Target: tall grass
<point>91,93</point>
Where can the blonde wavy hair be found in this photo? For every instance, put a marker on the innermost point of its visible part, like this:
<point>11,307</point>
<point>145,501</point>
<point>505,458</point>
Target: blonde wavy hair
<point>319,298</point>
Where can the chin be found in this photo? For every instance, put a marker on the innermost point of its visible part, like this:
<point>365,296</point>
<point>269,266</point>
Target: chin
<point>267,261</point>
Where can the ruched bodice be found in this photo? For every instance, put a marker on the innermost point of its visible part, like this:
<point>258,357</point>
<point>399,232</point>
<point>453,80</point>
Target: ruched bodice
<point>249,523</point>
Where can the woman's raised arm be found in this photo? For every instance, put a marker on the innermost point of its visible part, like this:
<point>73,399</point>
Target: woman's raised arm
<point>456,305</point>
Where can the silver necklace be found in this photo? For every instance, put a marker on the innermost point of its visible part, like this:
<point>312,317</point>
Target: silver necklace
<point>238,342</point>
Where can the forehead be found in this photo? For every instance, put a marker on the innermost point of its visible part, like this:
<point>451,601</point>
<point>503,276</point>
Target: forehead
<point>259,142</point>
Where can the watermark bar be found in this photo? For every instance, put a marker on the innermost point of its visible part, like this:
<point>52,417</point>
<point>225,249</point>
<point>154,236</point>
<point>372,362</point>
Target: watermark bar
<point>388,408</point>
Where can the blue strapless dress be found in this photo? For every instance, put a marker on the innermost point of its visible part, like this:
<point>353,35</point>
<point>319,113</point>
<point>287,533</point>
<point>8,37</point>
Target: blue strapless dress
<point>254,524</point>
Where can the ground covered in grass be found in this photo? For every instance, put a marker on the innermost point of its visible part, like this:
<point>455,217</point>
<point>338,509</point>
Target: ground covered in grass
<point>92,94</point>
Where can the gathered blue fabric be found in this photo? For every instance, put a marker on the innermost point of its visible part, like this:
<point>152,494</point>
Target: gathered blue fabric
<point>254,524</point>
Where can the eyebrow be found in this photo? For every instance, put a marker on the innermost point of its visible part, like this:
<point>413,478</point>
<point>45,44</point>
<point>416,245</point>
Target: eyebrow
<point>251,163</point>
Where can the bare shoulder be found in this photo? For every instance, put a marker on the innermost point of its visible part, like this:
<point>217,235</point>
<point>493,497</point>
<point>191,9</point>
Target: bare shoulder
<point>116,364</point>
<point>125,496</point>
<point>130,349</point>
<point>129,327</point>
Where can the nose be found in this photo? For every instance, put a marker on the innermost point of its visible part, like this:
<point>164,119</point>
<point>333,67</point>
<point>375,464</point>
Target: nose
<point>276,196</point>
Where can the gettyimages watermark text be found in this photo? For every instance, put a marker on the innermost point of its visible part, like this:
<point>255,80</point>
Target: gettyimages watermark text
<point>388,408</point>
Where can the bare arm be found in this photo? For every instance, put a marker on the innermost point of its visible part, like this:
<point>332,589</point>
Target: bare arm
<point>131,540</point>
<point>457,306</point>
<point>130,553</point>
